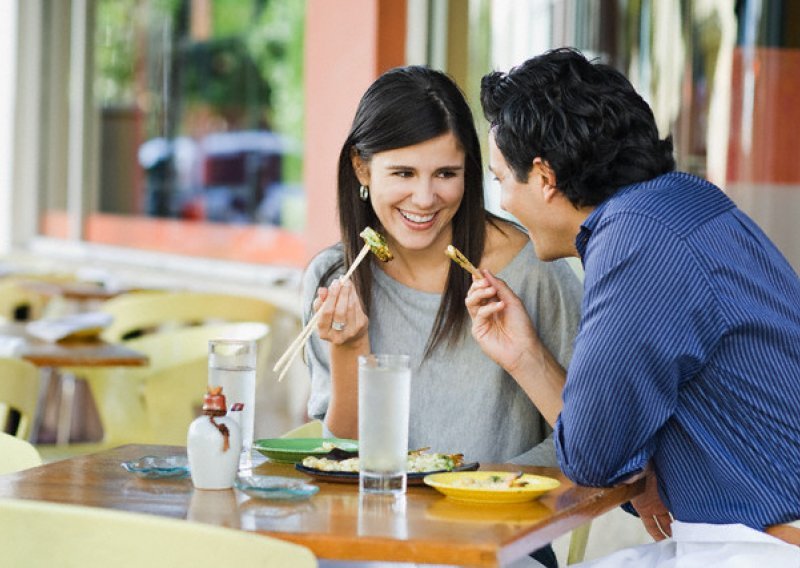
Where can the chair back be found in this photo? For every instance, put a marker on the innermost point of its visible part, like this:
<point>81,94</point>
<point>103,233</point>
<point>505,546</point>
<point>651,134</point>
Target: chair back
<point>20,385</point>
<point>311,429</point>
<point>18,303</point>
<point>42,534</point>
<point>156,404</point>
<point>136,313</point>
<point>16,454</point>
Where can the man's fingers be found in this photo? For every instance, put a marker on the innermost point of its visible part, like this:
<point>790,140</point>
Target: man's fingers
<point>652,528</point>
<point>664,523</point>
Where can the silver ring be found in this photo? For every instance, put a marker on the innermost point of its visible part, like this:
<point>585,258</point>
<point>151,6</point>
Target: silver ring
<point>337,325</point>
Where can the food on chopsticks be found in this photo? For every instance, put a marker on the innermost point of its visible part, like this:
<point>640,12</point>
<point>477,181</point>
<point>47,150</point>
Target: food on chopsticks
<point>377,244</point>
<point>418,462</point>
<point>458,257</point>
<point>374,242</point>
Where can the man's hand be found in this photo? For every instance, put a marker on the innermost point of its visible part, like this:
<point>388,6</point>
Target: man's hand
<point>654,514</point>
<point>500,323</point>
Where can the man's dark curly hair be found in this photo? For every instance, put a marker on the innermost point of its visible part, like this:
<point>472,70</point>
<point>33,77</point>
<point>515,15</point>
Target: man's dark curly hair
<point>583,118</point>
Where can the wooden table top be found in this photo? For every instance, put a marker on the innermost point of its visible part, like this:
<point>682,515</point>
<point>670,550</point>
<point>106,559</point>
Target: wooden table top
<point>336,523</point>
<point>79,352</point>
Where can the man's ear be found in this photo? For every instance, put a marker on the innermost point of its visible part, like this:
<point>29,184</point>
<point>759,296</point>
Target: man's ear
<point>547,178</point>
<point>360,168</point>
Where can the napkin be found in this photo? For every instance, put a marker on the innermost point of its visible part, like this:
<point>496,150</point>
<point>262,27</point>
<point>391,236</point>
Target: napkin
<point>11,346</point>
<point>83,324</point>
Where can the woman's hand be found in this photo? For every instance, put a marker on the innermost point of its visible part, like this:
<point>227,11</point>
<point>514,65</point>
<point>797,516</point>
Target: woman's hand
<point>343,321</point>
<point>500,323</point>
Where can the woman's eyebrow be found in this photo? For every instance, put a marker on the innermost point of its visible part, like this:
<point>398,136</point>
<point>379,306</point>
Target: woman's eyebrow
<point>402,167</point>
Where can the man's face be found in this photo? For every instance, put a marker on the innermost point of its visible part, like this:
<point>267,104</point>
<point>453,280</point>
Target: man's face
<point>525,201</point>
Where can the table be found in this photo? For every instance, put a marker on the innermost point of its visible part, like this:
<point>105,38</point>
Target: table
<point>79,352</point>
<point>336,523</point>
<point>77,291</point>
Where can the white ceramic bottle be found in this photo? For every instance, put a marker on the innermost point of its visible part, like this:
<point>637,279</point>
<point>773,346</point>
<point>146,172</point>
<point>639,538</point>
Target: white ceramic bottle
<point>214,443</point>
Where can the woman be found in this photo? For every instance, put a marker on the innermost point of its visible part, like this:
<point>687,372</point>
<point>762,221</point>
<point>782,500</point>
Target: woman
<point>411,169</point>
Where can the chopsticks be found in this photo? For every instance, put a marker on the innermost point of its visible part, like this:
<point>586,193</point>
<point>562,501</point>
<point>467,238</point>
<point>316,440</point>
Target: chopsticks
<point>375,243</point>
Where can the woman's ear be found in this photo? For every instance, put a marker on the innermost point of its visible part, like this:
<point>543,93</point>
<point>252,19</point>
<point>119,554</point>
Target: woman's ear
<point>360,168</point>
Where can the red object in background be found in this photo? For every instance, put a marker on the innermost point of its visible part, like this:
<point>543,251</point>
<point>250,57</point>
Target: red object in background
<point>773,118</point>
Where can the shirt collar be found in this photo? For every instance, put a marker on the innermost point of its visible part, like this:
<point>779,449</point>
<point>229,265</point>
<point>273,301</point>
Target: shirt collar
<point>589,224</point>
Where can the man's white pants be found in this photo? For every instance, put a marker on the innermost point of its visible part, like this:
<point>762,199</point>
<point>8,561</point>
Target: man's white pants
<point>698,545</point>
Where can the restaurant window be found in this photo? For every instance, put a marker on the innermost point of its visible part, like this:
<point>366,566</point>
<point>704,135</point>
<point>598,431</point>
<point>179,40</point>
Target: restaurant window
<point>190,117</point>
<point>720,76</point>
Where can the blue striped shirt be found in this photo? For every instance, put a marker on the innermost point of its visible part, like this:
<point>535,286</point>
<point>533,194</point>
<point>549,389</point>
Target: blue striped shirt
<point>688,354</point>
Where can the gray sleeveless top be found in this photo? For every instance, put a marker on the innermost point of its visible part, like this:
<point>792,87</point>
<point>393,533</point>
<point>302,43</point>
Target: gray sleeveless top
<point>461,401</point>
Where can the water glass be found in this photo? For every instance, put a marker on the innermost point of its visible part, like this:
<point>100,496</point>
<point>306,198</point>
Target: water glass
<point>232,365</point>
<point>384,393</point>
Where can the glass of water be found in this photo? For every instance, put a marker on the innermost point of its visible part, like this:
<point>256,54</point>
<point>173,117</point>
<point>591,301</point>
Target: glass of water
<point>232,365</point>
<point>384,392</point>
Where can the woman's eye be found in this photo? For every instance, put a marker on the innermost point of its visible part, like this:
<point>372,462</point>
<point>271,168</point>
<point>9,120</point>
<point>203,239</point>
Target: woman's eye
<point>447,174</point>
<point>403,173</point>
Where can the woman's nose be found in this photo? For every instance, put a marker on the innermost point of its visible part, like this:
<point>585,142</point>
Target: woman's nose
<point>424,194</point>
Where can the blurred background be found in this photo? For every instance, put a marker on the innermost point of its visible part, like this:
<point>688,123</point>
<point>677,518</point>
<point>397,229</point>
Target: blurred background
<point>207,130</point>
<point>192,144</point>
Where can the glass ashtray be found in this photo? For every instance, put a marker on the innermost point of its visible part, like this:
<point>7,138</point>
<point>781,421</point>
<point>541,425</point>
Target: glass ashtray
<point>155,467</point>
<point>275,487</point>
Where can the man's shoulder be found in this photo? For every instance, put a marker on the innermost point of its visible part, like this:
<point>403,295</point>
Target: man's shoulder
<point>678,200</point>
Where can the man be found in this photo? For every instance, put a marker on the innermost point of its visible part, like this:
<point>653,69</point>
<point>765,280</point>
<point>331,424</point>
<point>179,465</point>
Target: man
<point>687,359</point>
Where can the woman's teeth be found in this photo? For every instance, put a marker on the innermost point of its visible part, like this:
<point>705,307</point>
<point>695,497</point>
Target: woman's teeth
<point>417,218</point>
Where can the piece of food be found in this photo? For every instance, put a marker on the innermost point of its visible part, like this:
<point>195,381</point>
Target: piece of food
<point>377,244</point>
<point>461,260</point>
<point>491,482</point>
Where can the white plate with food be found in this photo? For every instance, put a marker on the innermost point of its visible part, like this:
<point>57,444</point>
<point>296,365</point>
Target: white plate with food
<point>419,465</point>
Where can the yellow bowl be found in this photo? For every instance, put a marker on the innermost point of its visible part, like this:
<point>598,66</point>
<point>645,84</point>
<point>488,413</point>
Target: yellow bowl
<point>452,485</point>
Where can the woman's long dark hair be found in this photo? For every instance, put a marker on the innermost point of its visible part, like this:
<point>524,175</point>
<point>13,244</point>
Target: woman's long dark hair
<point>403,107</point>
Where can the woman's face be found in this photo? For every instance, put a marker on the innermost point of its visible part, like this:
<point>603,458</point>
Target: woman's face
<point>416,190</point>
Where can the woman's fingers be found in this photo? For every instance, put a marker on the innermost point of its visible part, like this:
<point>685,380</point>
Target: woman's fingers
<point>341,317</point>
<point>327,309</point>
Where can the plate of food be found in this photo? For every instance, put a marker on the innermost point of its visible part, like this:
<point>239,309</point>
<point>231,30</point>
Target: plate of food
<point>420,464</point>
<point>491,486</point>
<point>293,450</point>
<point>155,467</point>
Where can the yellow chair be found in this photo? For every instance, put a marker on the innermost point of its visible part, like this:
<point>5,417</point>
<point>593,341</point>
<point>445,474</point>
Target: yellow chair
<point>38,534</point>
<point>20,385</point>
<point>156,404</point>
<point>311,429</point>
<point>16,454</point>
<point>138,313</point>
<point>577,543</point>
<point>18,303</point>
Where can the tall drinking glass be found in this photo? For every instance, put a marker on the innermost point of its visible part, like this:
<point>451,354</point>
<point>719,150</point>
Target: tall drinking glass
<point>232,365</point>
<point>384,392</point>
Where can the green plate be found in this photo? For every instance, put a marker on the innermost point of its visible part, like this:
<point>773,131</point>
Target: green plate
<point>293,450</point>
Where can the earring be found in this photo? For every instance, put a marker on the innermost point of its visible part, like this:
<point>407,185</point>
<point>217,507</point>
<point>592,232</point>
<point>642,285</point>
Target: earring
<point>363,192</point>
